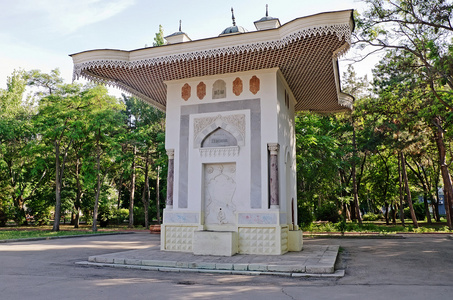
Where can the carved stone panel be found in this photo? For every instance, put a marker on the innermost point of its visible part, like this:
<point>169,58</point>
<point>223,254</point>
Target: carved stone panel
<point>234,124</point>
<point>219,89</point>
<point>201,90</point>
<point>219,138</point>
<point>185,92</point>
<point>219,190</point>
<point>254,85</point>
<point>237,86</point>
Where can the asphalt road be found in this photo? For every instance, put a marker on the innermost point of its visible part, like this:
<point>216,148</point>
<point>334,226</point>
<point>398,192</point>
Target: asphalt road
<point>418,267</point>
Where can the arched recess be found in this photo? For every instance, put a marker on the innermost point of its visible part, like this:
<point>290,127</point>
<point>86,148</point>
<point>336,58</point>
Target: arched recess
<point>219,123</point>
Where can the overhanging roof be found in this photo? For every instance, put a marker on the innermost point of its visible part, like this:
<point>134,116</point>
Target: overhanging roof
<point>305,50</point>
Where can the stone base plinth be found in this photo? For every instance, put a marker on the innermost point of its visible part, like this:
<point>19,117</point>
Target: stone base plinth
<point>295,240</point>
<point>221,243</point>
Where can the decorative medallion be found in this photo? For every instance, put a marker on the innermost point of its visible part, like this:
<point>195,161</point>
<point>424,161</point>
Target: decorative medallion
<point>201,90</point>
<point>185,92</point>
<point>237,86</point>
<point>254,85</point>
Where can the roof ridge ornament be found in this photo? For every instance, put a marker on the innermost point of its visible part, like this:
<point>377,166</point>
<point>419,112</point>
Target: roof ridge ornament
<point>232,16</point>
<point>267,22</point>
<point>177,37</point>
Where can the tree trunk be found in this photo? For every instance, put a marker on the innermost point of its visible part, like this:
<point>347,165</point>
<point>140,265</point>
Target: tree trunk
<point>131,201</point>
<point>158,195</point>
<point>79,194</point>
<point>57,215</point>
<point>98,184</point>
<point>401,191</point>
<point>387,213</point>
<point>394,209</point>
<point>145,194</point>
<point>448,188</point>
<point>428,214</point>
<point>354,179</point>
<point>436,204</point>
<point>408,191</point>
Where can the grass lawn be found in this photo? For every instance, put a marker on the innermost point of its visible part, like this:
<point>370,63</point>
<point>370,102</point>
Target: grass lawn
<point>16,232</point>
<point>378,227</point>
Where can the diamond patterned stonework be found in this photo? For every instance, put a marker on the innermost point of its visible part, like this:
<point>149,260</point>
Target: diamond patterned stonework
<point>258,240</point>
<point>179,238</point>
<point>284,239</point>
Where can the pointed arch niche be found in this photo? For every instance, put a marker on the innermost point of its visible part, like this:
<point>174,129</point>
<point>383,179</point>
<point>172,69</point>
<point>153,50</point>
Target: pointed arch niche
<point>220,135</point>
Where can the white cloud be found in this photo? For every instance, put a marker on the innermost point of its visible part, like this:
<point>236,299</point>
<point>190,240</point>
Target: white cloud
<point>66,16</point>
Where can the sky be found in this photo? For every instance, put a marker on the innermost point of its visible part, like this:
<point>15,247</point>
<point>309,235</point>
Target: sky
<point>40,34</point>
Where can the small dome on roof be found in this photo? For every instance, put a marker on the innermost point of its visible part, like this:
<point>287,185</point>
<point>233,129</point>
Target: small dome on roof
<point>267,22</point>
<point>178,36</point>
<point>233,29</point>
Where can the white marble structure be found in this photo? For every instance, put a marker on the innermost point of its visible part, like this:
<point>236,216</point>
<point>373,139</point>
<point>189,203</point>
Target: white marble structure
<point>230,104</point>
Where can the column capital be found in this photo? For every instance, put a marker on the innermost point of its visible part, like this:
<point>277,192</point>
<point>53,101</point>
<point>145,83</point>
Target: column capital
<point>273,148</point>
<point>171,153</point>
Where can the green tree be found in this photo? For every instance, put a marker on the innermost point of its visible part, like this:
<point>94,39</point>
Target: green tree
<point>420,33</point>
<point>103,148</point>
<point>159,38</point>
<point>20,174</point>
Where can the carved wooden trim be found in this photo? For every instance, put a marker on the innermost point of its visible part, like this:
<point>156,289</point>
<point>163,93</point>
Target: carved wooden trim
<point>185,92</point>
<point>237,86</point>
<point>201,90</point>
<point>254,84</point>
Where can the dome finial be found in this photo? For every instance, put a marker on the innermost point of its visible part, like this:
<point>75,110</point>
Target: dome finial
<point>232,16</point>
<point>179,25</point>
<point>267,12</point>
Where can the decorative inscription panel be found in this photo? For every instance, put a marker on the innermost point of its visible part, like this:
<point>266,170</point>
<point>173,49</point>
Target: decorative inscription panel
<point>255,218</point>
<point>219,89</point>
<point>219,138</point>
<point>219,190</point>
<point>181,218</point>
<point>233,124</point>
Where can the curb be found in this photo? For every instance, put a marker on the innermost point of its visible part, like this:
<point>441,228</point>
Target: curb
<point>336,274</point>
<point>62,237</point>
<point>368,236</point>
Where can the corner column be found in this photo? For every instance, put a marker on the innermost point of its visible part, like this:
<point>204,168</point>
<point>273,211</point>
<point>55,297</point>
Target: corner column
<point>273,175</point>
<point>170,178</point>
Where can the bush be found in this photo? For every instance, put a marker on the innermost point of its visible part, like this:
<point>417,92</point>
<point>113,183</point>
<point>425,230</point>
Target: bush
<point>121,215</point>
<point>371,217</point>
<point>41,210</point>
<point>305,216</point>
<point>105,214</point>
<point>328,212</point>
<point>419,209</point>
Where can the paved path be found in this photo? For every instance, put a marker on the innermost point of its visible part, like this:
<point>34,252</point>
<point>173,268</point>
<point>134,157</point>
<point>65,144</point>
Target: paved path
<point>314,261</point>
<point>411,268</point>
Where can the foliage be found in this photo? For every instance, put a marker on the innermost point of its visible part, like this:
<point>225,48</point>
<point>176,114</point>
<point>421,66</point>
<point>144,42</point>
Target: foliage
<point>159,38</point>
<point>419,211</point>
<point>305,215</point>
<point>371,217</point>
<point>328,212</point>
